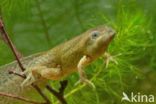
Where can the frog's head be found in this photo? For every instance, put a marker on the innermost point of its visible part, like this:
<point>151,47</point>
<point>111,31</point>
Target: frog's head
<point>98,39</point>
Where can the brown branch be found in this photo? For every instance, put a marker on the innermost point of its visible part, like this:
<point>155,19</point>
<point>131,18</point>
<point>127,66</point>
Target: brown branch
<point>8,41</point>
<point>63,86</point>
<point>19,98</point>
<point>10,44</point>
<point>42,94</point>
<point>5,38</point>
<point>35,86</point>
<point>15,73</point>
<point>59,95</point>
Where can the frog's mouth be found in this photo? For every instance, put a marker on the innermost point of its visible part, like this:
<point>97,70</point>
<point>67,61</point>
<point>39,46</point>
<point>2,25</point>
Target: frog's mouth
<point>112,34</point>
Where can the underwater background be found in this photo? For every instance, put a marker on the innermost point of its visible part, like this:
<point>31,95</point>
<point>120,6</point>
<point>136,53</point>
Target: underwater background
<point>39,25</point>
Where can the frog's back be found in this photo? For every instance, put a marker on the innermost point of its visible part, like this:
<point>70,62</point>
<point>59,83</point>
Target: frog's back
<point>67,55</point>
<point>68,52</point>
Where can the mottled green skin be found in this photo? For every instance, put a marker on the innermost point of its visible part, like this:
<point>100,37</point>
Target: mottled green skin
<point>67,55</point>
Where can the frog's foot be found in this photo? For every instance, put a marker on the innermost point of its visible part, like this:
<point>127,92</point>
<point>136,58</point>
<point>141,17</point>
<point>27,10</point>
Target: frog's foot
<point>82,63</point>
<point>109,58</point>
<point>85,81</point>
<point>29,80</point>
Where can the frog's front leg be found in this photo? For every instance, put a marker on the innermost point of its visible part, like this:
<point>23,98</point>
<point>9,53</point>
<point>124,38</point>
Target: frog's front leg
<point>85,60</point>
<point>108,57</point>
<point>34,73</point>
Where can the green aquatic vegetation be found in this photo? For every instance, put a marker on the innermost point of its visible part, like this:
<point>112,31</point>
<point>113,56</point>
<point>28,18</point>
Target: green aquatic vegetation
<point>134,45</point>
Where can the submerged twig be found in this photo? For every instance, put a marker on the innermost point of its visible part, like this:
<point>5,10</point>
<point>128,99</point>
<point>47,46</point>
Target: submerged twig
<point>63,86</point>
<point>10,44</point>
<point>18,74</point>
<point>35,86</point>
<point>20,98</point>
<point>59,95</point>
<point>42,94</point>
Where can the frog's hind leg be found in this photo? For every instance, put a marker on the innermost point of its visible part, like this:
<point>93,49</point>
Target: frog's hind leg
<point>52,73</point>
<point>37,72</point>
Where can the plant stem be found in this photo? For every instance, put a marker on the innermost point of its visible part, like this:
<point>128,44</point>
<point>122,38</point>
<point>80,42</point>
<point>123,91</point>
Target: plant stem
<point>10,44</point>
<point>19,98</point>
<point>8,41</point>
<point>59,95</point>
<point>43,22</point>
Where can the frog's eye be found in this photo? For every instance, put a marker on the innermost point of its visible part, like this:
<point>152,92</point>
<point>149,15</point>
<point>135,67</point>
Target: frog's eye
<point>95,34</point>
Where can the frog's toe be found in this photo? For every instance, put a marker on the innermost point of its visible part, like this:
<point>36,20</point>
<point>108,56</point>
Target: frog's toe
<point>109,58</point>
<point>28,81</point>
<point>87,82</point>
